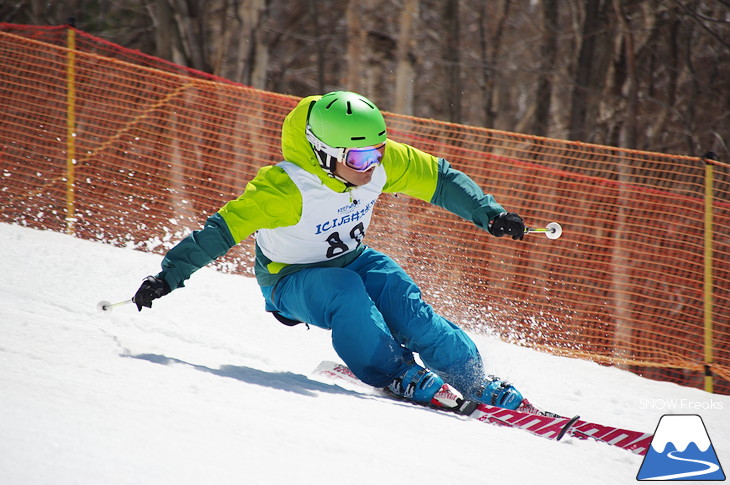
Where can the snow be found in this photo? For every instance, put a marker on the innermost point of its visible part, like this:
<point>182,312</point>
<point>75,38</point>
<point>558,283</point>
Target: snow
<point>207,388</point>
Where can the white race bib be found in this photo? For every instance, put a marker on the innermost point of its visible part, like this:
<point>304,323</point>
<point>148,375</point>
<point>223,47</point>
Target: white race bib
<point>332,223</point>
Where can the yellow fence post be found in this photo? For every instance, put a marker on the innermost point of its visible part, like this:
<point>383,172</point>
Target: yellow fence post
<point>708,307</point>
<point>70,130</point>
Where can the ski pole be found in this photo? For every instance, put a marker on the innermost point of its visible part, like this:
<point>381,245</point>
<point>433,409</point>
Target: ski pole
<point>105,306</point>
<point>551,231</point>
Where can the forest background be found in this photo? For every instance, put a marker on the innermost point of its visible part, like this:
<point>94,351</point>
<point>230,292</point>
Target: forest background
<point>644,74</point>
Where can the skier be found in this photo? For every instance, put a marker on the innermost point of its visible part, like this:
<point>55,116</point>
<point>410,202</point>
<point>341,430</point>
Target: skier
<point>310,214</point>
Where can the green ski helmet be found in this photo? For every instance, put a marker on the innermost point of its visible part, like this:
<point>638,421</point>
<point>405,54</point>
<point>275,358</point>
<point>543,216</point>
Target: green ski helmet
<point>342,119</point>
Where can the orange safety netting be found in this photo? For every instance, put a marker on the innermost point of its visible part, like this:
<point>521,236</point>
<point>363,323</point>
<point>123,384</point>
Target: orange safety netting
<point>116,146</point>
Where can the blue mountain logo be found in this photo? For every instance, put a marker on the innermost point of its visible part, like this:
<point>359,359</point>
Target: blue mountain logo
<point>681,450</point>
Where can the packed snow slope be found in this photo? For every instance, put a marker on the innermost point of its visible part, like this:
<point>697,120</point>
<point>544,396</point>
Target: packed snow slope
<point>206,388</point>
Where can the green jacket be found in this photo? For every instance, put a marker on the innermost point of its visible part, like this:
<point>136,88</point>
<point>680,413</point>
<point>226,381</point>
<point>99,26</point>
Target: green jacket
<point>272,200</point>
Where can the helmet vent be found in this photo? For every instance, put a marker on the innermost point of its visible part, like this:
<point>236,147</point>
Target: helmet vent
<point>349,108</point>
<point>331,103</point>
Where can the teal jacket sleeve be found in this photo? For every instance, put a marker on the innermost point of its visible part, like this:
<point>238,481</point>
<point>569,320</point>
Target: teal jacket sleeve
<point>196,250</point>
<point>458,193</point>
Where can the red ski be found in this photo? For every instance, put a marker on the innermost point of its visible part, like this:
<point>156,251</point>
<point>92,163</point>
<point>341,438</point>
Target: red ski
<point>537,422</point>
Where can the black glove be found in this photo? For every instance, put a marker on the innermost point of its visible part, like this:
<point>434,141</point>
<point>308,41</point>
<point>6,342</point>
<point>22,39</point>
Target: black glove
<point>152,288</point>
<point>508,223</point>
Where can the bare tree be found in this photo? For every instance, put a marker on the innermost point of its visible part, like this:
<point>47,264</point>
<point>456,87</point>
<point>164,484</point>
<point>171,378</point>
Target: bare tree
<point>405,73</point>
<point>190,18</point>
<point>590,69</point>
<point>356,38</point>
<point>490,47</point>
<point>452,60</point>
<point>549,57</point>
<point>644,74</point>
<point>167,39</point>
<point>254,14</point>
<point>314,13</point>
<point>627,135</point>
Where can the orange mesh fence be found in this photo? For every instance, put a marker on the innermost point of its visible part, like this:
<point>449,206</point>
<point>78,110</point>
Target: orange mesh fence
<point>116,146</point>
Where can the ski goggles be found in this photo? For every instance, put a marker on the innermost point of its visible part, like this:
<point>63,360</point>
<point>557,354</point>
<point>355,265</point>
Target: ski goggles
<point>364,158</point>
<point>360,159</point>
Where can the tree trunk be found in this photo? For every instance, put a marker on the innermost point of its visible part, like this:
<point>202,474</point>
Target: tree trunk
<point>452,60</point>
<point>254,14</point>
<point>191,29</point>
<point>627,136</point>
<point>548,61</point>
<point>581,81</point>
<point>164,29</point>
<point>356,39</point>
<point>490,52</point>
<point>405,73</point>
<point>314,12</point>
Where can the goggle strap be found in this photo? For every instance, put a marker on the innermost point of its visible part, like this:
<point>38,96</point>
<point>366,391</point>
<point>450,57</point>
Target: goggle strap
<point>326,161</point>
<point>320,146</point>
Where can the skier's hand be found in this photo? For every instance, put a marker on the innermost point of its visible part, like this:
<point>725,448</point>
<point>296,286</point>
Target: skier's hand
<point>508,223</point>
<point>151,289</point>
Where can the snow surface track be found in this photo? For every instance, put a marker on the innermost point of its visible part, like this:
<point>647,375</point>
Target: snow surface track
<point>208,388</point>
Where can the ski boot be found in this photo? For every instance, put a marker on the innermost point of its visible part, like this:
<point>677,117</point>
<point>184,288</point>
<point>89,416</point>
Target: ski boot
<point>497,392</point>
<point>425,387</point>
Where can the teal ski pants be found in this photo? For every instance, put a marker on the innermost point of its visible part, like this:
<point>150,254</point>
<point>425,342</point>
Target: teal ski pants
<point>378,319</point>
